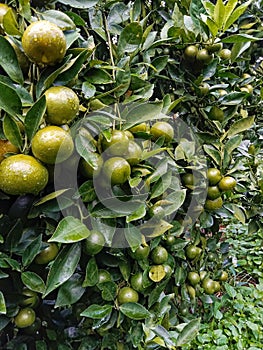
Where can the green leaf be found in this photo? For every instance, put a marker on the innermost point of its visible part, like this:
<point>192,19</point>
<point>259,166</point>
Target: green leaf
<point>73,67</point>
<point>230,290</point>
<point>219,13</point>
<point>70,230</point>
<point>88,89</point>
<point>240,126</point>
<point>189,332</point>
<point>239,38</point>
<point>236,14</point>
<point>212,26</point>
<point>12,131</point>
<point>232,99</point>
<point>161,185</point>
<point>63,267</point>
<point>96,311</point>
<point>61,19</point>
<point>213,153</point>
<point>238,48</point>
<point>33,281</point>
<point>9,100</point>
<point>34,117</point>
<point>229,8</point>
<point>9,62</point>
<point>80,4</point>
<point>70,292</point>
<point>31,251</point>
<point>92,276</point>
<point>2,304</point>
<point>139,213</point>
<point>133,236</point>
<point>130,38</point>
<point>49,197</point>
<point>143,112</point>
<point>135,311</point>
<point>230,145</point>
<point>10,24</point>
<point>108,290</point>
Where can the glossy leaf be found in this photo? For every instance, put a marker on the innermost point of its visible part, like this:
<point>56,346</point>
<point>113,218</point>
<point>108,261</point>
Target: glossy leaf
<point>70,292</point>
<point>10,24</point>
<point>9,62</point>
<point>240,126</point>
<point>96,311</point>
<point>189,332</point>
<point>236,14</point>
<point>9,100</point>
<point>79,4</point>
<point>12,131</point>
<point>142,113</point>
<point>133,236</point>
<point>59,18</point>
<point>130,38</point>
<point>63,267</point>
<point>34,117</point>
<point>91,276</point>
<point>33,281</point>
<point>2,304</point>
<point>32,250</point>
<point>135,311</point>
<point>70,230</point>
<point>108,290</point>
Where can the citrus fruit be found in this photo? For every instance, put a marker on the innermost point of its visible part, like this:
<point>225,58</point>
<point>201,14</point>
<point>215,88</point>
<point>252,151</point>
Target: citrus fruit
<point>141,252</point>
<point>127,295</point>
<point>213,204</point>
<point>52,144</point>
<point>217,286</point>
<point>162,129</point>
<point>202,275</point>
<point>142,127</point>
<point>208,286</point>
<point>117,170</point>
<point>214,47</point>
<point>89,170</point>
<point>156,212</point>
<point>203,89</point>
<point>7,147</point>
<point>188,180</point>
<point>62,105</point>
<point>225,54</point>
<point>25,317</point>
<point>192,251</point>
<point>21,174</point>
<point>44,43</point>
<point>227,183</point>
<point>193,277</point>
<point>170,240</point>
<point>137,282</point>
<point>190,53</point>
<point>213,192</point>
<point>118,143</point>
<point>47,254</point>
<point>94,243</point>
<point>203,56</point>
<point>129,134</point>
<point>191,291</point>
<point>223,276</point>
<point>157,273</point>
<point>216,113</point>
<point>213,176</point>
<point>159,255</point>
<point>134,153</point>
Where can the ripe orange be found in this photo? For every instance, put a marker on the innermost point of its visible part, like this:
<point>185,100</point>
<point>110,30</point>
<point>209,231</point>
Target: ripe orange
<point>7,147</point>
<point>227,183</point>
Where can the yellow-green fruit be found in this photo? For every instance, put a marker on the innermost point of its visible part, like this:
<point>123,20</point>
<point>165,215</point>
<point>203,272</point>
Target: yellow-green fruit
<point>142,127</point>
<point>227,183</point>
<point>225,54</point>
<point>134,153</point>
<point>117,145</point>
<point>47,254</point>
<point>214,204</point>
<point>25,317</point>
<point>117,170</point>
<point>209,286</point>
<point>190,53</point>
<point>213,176</point>
<point>127,295</point>
<point>213,192</point>
<point>21,174</point>
<point>162,129</point>
<point>52,145</point>
<point>62,105</point>
<point>216,113</point>
<point>94,243</point>
<point>44,43</point>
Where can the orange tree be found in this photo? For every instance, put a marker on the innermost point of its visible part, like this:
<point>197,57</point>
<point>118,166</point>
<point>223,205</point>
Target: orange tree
<point>129,132</point>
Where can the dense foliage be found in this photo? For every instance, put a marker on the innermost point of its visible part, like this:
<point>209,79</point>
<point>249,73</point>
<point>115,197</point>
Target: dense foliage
<point>146,122</point>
